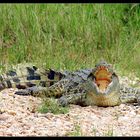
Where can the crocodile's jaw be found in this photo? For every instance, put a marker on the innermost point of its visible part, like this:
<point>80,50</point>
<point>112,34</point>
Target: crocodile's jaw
<point>109,96</point>
<point>111,99</point>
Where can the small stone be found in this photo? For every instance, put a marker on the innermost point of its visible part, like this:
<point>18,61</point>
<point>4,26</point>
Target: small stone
<point>1,133</point>
<point>12,112</point>
<point>122,106</point>
<point>3,117</point>
<point>138,111</point>
<point>11,94</point>
<point>9,134</point>
<point>2,110</point>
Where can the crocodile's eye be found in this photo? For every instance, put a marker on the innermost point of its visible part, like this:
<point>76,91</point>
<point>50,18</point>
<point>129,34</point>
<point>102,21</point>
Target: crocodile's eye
<point>113,75</point>
<point>96,65</point>
<point>109,65</point>
<point>91,76</point>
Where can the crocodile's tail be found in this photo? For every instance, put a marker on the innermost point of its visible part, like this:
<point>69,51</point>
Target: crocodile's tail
<point>28,76</point>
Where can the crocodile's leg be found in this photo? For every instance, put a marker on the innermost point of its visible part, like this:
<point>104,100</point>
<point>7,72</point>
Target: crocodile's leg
<point>138,96</point>
<point>55,90</point>
<point>78,98</point>
<point>130,95</point>
<point>76,95</point>
<point>34,91</point>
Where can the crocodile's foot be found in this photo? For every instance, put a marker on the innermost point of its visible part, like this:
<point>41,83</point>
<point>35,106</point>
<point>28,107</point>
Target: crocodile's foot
<point>78,98</point>
<point>63,101</point>
<point>138,100</point>
<point>34,91</point>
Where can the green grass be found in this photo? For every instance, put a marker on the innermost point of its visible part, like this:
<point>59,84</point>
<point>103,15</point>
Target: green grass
<point>109,132</point>
<point>76,132</point>
<point>71,36</point>
<point>50,105</point>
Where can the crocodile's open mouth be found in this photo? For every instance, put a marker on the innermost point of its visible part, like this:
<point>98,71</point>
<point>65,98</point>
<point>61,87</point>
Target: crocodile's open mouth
<point>102,78</point>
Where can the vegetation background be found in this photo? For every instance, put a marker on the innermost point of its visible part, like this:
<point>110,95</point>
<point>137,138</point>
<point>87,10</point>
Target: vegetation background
<point>71,36</point>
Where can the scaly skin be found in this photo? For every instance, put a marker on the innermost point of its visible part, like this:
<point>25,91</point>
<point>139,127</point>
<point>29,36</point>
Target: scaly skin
<point>98,86</point>
<point>25,76</point>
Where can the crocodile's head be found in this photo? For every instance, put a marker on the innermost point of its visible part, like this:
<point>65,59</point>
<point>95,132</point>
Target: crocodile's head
<point>103,85</point>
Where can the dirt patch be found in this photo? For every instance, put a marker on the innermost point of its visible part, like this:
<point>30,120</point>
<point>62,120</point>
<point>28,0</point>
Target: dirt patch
<point>19,118</point>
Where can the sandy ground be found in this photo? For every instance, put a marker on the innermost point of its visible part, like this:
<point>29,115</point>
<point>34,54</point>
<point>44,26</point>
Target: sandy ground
<point>19,118</point>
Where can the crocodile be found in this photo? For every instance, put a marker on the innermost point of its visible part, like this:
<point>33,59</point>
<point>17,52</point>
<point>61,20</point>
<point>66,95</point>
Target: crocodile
<point>95,86</point>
